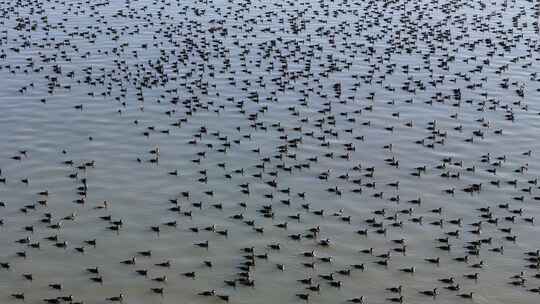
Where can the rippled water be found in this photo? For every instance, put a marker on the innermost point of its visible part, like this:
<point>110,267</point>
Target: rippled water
<point>213,54</point>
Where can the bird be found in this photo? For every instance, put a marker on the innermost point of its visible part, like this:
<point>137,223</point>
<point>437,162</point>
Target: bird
<point>432,293</point>
<point>466,295</point>
<point>359,300</point>
<point>157,290</point>
<point>207,293</point>
<point>202,244</point>
<point>397,289</point>
<point>119,298</point>
<point>396,300</point>
<point>223,297</point>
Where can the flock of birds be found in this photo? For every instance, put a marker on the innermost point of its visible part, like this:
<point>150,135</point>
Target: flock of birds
<point>343,138</point>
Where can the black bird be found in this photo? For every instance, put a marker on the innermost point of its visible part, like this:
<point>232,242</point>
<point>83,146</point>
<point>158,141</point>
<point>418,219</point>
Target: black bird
<point>119,298</point>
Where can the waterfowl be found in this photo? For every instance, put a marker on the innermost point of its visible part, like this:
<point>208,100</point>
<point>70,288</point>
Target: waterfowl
<point>306,281</point>
<point>130,261</point>
<point>207,293</point>
<point>161,279</point>
<point>449,280</point>
<point>119,298</point>
<point>409,270</point>
<point>359,300</point>
<point>432,293</point>
<point>473,276</point>
<point>478,265</point>
<point>202,244</point>
<point>314,288</point>
<point>396,289</point>
<point>56,286</point>
<point>396,300</point>
<point>223,297</point>
<point>164,264</point>
<point>466,295</point>
<point>190,274</point>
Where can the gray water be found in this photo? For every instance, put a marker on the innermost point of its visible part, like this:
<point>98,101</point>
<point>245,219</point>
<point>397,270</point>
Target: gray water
<point>217,69</point>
